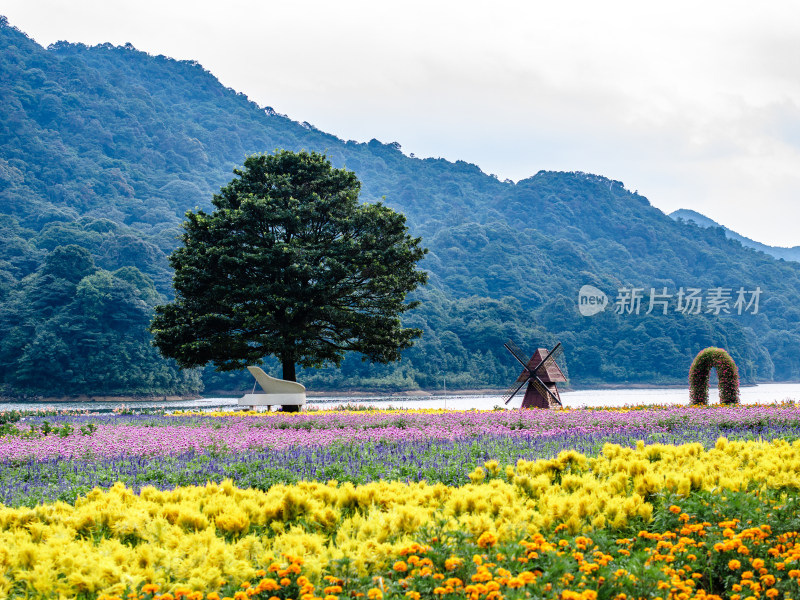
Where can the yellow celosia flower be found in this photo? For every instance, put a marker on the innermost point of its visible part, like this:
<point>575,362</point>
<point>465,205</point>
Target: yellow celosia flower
<point>201,535</point>
<point>478,475</point>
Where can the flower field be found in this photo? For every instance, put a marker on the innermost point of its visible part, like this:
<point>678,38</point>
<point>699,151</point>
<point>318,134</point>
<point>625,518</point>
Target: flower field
<point>678,502</point>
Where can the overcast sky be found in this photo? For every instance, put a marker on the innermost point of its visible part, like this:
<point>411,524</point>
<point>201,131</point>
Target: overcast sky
<point>694,104</point>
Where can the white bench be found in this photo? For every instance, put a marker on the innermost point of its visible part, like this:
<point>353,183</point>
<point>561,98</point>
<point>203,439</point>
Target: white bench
<point>290,395</point>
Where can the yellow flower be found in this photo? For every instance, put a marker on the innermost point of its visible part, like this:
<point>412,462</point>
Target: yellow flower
<point>478,475</point>
<point>734,564</point>
<point>515,582</point>
<point>374,594</point>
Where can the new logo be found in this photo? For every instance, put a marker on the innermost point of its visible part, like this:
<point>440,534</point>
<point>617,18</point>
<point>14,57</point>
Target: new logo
<point>591,301</point>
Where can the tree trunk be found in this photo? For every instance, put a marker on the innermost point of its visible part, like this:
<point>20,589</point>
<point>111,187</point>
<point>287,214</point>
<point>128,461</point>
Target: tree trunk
<point>288,368</point>
<point>289,375</point>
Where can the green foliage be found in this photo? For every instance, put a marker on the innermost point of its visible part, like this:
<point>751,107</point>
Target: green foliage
<point>291,265</point>
<point>70,328</point>
<point>106,148</point>
<point>34,430</point>
<point>727,372</point>
<point>70,263</point>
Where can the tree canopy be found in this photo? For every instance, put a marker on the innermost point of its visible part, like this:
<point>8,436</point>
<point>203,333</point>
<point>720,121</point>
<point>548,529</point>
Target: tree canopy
<point>290,264</point>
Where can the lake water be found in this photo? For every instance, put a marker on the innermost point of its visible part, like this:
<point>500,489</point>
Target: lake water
<point>759,394</point>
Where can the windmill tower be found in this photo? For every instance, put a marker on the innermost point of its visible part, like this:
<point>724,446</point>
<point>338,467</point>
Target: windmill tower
<point>541,372</point>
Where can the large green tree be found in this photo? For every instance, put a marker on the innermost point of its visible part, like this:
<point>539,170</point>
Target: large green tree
<point>290,264</point>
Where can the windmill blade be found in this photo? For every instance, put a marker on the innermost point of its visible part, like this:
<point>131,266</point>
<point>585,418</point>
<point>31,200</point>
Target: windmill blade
<point>517,353</point>
<point>544,391</point>
<point>551,360</point>
<point>511,392</point>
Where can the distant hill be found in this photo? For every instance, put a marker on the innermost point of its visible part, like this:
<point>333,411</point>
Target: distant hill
<point>103,149</point>
<point>703,221</point>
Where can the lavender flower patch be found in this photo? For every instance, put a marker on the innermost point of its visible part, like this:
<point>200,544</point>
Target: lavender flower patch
<point>361,450</point>
<point>162,435</point>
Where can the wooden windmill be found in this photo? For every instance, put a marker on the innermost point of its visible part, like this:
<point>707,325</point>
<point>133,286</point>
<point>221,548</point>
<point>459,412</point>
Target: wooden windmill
<point>541,372</point>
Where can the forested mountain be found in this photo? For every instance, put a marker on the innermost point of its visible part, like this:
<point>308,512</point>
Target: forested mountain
<point>102,150</point>
<point>695,217</point>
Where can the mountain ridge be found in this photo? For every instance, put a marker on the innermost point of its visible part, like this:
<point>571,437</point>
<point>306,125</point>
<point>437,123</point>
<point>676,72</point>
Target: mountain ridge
<point>105,147</point>
<point>784,252</point>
